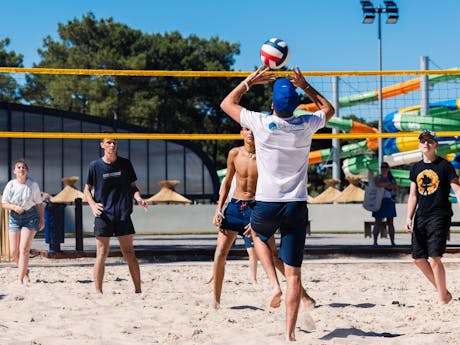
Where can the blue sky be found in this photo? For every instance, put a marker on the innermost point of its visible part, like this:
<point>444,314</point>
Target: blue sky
<point>326,35</point>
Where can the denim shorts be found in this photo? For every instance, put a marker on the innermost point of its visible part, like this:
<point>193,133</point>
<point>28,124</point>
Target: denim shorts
<point>29,219</point>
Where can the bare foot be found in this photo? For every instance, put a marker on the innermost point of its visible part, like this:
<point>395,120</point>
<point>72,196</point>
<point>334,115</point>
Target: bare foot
<point>25,279</point>
<point>446,300</point>
<point>216,305</point>
<point>308,302</point>
<point>290,337</point>
<point>275,300</point>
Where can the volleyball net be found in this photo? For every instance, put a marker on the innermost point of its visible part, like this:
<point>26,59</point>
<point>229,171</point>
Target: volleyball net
<point>357,95</point>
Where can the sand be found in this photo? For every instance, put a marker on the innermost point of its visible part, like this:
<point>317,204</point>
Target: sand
<point>360,301</point>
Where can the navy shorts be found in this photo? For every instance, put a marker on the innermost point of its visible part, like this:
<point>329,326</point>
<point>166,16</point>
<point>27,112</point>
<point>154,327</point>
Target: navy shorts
<point>429,237</point>
<point>237,215</point>
<point>29,219</point>
<point>104,227</point>
<point>291,219</point>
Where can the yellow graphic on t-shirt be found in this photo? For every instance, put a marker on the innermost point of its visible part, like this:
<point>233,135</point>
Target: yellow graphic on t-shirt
<point>427,182</point>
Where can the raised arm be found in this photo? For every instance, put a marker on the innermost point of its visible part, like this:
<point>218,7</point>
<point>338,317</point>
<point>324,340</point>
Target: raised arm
<point>230,103</point>
<point>317,98</point>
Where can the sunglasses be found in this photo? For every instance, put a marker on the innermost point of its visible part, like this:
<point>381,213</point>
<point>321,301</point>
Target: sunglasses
<point>427,141</point>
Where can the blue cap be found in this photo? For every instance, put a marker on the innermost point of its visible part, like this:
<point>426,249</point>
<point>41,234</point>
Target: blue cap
<point>285,98</point>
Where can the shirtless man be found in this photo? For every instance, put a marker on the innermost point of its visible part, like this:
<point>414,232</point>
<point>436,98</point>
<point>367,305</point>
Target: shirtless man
<point>241,164</point>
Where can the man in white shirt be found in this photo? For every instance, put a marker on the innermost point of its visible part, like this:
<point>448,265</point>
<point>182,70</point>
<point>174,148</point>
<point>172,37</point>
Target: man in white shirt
<point>282,144</point>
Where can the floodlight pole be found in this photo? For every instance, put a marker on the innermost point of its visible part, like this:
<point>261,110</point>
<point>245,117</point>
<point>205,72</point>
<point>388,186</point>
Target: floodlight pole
<point>369,12</point>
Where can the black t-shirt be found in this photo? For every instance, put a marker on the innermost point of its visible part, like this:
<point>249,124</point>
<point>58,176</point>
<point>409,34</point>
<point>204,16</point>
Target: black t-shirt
<point>112,186</point>
<point>433,186</point>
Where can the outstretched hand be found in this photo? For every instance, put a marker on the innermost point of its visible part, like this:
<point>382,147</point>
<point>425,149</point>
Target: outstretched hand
<point>259,77</point>
<point>298,79</point>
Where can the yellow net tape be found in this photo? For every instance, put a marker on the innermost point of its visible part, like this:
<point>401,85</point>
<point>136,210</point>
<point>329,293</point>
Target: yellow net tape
<point>172,136</point>
<point>158,73</point>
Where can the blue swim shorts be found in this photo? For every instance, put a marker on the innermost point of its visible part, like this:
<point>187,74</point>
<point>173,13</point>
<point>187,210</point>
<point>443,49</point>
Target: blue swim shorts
<point>237,215</point>
<point>291,218</point>
<point>29,219</point>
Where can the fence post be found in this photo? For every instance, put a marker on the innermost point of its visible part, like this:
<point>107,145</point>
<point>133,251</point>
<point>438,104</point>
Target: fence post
<point>78,225</point>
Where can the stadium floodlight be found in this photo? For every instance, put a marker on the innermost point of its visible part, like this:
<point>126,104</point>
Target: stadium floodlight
<point>369,14</point>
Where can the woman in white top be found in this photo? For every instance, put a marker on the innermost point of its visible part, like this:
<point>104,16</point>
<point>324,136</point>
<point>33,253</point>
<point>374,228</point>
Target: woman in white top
<point>22,198</point>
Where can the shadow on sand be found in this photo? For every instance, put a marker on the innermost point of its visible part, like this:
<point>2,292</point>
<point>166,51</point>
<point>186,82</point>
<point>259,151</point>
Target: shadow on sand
<point>345,332</point>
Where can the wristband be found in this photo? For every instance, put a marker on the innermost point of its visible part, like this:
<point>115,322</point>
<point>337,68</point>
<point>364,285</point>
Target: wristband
<point>306,87</point>
<point>220,214</point>
<point>246,84</point>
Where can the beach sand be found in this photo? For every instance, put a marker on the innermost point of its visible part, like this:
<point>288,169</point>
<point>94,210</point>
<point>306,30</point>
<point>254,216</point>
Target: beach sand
<point>360,301</point>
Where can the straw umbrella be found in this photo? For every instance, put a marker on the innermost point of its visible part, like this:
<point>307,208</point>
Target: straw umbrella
<point>69,193</point>
<point>352,193</point>
<point>329,195</point>
<point>167,194</point>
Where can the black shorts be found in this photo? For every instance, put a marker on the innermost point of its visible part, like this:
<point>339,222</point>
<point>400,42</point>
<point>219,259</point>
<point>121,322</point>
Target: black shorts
<point>105,227</point>
<point>429,238</point>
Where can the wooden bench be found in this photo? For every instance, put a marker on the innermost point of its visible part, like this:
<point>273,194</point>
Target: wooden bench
<point>369,224</point>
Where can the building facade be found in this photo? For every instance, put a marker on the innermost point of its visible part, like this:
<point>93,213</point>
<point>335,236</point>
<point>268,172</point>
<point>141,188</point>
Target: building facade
<point>50,160</point>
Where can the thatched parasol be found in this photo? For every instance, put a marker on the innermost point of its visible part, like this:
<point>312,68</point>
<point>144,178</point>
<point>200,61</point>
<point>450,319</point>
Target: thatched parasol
<point>167,194</point>
<point>69,193</point>
<point>4,239</point>
<point>329,195</point>
<point>353,193</point>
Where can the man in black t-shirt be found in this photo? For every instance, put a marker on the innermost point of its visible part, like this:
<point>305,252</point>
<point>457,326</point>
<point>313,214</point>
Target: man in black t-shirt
<point>431,181</point>
<point>113,181</point>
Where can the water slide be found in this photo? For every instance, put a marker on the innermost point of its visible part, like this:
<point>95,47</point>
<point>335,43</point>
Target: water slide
<point>444,116</point>
<point>349,126</point>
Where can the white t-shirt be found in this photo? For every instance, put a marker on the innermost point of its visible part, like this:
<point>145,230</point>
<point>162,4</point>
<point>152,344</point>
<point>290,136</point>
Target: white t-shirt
<point>26,195</point>
<point>282,148</point>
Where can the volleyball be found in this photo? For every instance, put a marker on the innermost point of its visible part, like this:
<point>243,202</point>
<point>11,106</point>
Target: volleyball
<point>274,53</point>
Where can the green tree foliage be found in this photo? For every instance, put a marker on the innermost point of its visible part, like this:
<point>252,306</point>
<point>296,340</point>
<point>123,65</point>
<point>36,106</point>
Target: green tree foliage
<point>161,104</point>
<point>8,85</point>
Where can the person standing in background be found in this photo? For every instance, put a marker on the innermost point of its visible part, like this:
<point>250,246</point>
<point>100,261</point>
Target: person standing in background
<point>388,209</point>
<point>22,197</point>
<point>113,180</point>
